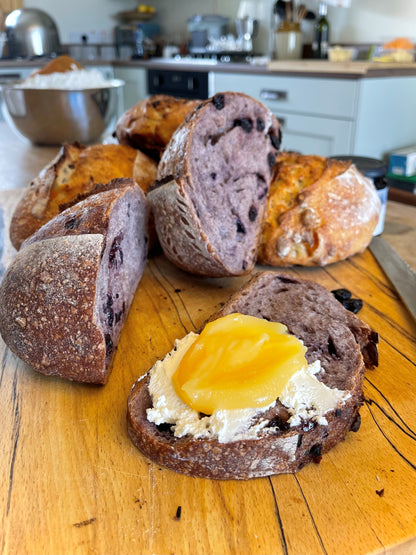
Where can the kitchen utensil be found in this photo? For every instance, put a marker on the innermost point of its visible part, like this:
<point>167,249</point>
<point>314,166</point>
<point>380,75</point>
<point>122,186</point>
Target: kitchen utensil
<point>289,41</point>
<point>398,272</point>
<point>247,29</point>
<point>55,116</point>
<point>31,32</point>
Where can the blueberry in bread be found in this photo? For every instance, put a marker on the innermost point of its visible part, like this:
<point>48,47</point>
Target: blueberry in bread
<point>150,124</point>
<point>213,178</point>
<point>313,411</point>
<point>319,211</point>
<point>66,295</point>
<point>76,170</point>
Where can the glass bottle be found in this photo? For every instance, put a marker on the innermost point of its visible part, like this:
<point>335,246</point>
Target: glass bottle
<point>321,35</point>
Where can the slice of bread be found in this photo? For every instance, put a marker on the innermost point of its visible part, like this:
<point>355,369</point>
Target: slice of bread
<point>344,345</point>
<point>66,294</point>
<point>213,179</point>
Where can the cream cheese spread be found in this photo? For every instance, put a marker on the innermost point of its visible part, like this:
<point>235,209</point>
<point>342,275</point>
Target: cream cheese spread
<point>304,396</point>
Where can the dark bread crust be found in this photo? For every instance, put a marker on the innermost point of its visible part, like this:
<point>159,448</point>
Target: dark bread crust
<point>213,179</point>
<point>308,310</point>
<point>52,330</point>
<point>66,295</point>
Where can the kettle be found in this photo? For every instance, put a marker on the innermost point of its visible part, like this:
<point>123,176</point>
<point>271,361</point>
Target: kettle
<point>31,32</point>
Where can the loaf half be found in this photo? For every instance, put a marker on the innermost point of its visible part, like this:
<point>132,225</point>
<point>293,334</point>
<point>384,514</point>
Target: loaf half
<point>150,124</point>
<point>76,170</point>
<point>319,211</point>
<point>213,180</point>
<point>66,295</point>
<point>341,341</point>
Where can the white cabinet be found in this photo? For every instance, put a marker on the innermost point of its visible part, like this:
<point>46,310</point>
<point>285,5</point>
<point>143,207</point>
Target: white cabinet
<point>329,116</point>
<point>135,87</point>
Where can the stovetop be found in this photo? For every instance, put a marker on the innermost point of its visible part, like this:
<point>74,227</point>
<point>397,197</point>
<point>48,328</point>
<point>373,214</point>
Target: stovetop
<point>206,56</point>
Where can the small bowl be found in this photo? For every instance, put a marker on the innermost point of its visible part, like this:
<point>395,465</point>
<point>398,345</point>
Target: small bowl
<point>57,116</point>
<point>341,54</point>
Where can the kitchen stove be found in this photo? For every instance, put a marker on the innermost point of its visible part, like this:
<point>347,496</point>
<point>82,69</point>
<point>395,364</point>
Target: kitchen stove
<point>226,56</point>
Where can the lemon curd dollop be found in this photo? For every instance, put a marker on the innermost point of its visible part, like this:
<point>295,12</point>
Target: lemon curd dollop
<point>238,361</point>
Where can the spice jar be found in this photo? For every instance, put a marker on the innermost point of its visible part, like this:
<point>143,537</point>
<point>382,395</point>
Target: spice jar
<point>288,41</point>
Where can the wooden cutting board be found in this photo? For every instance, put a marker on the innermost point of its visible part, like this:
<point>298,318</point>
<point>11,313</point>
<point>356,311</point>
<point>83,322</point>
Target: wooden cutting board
<point>72,481</point>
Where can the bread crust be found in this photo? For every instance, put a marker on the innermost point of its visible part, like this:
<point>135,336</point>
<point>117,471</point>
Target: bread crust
<point>287,449</point>
<point>76,170</point>
<point>47,312</point>
<point>319,211</point>
<point>213,178</point>
<point>150,124</point>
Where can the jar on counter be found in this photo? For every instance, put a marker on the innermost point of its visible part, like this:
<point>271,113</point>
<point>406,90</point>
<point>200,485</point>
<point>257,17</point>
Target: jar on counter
<point>376,171</point>
<point>288,41</point>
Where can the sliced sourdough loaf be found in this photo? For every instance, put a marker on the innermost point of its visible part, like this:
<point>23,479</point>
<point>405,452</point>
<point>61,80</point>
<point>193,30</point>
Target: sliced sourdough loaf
<point>66,295</point>
<point>213,179</point>
<point>343,344</point>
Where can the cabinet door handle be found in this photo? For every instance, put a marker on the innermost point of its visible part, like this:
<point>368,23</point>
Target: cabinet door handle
<point>267,94</point>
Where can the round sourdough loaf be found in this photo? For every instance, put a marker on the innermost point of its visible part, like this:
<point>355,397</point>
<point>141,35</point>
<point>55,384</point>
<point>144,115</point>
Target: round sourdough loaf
<point>66,295</point>
<point>150,124</point>
<point>340,340</point>
<point>319,211</point>
<point>213,178</point>
<point>76,170</point>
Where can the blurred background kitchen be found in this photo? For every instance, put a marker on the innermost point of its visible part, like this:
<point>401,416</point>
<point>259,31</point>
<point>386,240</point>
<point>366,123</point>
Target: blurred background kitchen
<point>340,75</point>
<point>94,21</point>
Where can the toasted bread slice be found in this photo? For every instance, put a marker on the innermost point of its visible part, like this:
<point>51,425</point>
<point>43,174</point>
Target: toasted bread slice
<point>340,340</point>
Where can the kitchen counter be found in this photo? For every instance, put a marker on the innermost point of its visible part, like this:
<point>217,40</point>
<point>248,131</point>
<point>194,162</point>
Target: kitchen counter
<point>315,68</point>
<point>72,482</point>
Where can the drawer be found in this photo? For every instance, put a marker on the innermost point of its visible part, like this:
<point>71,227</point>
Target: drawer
<point>303,95</point>
<point>316,135</point>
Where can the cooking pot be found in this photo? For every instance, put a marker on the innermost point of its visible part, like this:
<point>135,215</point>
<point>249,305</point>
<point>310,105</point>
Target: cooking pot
<point>31,32</point>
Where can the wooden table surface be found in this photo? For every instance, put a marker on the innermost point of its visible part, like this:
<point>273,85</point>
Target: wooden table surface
<point>72,482</point>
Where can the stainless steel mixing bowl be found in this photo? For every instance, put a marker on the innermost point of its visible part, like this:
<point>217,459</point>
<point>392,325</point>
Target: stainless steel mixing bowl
<point>56,116</point>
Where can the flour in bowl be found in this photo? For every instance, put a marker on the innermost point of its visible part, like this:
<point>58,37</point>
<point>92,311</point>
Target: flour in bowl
<point>68,80</point>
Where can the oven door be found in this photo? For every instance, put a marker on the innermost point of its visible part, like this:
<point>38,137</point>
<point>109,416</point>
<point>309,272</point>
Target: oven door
<point>182,84</point>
